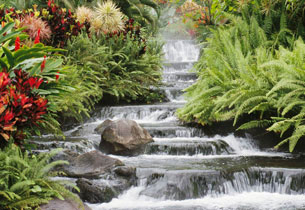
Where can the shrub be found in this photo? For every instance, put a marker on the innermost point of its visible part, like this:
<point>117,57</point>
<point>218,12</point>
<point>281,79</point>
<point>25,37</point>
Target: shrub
<point>21,108</point>
<point>25,180</point>
<point>240,74</point>
<point>120,63</point>
<point>62,86</point>
<point>62,23</point>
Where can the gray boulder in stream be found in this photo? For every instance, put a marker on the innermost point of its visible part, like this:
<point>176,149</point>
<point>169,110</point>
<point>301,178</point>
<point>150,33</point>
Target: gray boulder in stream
<point>109,187</point>
<point>123,137</point>
<point>90,165</point>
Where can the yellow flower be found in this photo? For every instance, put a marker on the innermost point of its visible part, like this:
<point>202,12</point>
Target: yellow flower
<point>37,13</point>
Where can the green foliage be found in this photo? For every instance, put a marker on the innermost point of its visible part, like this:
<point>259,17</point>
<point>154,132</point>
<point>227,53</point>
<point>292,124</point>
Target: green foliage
<point>141,11</point>
<point>25,180</point>
<point>240,74</point>
<point>63,86</point>
<point>116,65</point>
<point>282,20</point>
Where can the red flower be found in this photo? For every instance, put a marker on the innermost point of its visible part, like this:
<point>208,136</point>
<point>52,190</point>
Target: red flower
<point>37,38</point>
<point>43,64</point>
<point>38,83</point>
<point>17,43</point>
<point>57,76</point>
<point>49,3</point>
<point>32,81</point>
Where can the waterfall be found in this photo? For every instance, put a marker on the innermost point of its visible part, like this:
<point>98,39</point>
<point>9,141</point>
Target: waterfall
<point>185,169</point>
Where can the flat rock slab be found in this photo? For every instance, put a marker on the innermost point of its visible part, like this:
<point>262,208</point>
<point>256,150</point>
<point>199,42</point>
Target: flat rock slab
<point>90,165</point>
<point>57,204</point>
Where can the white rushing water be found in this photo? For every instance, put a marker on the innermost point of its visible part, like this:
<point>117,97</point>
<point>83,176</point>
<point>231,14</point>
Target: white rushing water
<point>243,201</point>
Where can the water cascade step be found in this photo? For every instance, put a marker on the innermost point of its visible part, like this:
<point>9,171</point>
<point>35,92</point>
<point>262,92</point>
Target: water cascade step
<point>184,169</point>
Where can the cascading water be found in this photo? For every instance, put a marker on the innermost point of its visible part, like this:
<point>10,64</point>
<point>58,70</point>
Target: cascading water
<point>184,169</point>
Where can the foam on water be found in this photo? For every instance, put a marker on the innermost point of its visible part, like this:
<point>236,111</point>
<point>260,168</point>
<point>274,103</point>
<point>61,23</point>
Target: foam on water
<point>239,201</point>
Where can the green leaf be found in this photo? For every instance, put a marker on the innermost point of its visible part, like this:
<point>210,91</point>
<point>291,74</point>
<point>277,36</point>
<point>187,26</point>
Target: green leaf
<point>9,56</point>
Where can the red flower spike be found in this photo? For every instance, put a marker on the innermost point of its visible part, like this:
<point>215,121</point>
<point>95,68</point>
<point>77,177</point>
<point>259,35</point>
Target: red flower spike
<point>17,43</point>
<point>54,9</point>
<point>57,76</point>
<point>49,3</point>
<point>37,38</point>
<point>43,64</point>
<point>38,83</point>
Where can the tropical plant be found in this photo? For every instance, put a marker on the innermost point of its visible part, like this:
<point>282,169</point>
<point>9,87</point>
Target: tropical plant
<point>124,65</point>
<point>141,11</point>
<point>33,73</point>
<point>108,18</point>
<point>21,108</point>
<point>242,77</point>
<point>62,23</point>
<point>84,14</point>
<point>34,25</point>
<point>25,180</point>
<point>274,17</point>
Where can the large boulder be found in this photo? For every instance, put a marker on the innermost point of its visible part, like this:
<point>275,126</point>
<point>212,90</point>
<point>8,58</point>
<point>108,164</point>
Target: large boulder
<point>57,204</point>
<point>90,165</point>
<point>123,137</point>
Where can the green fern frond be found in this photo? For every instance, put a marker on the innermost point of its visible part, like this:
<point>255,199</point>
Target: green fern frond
<point>255,124</point>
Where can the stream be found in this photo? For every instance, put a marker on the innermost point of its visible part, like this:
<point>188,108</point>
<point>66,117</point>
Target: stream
<point>185,169</point>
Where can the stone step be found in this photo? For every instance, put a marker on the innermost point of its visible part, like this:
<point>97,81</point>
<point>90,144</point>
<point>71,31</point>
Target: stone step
<point>174,131</point>
<point>171,147</point>
<point>192,184</point>
<point>179,76</point>
<point>156,112</point>
<point>176,67</point>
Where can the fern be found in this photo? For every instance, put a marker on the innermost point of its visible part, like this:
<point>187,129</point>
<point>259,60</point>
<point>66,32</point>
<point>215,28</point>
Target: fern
<point>241,73</point>
<point>25,181</point>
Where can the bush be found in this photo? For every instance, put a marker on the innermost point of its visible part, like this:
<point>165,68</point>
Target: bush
<point>61,23</point>
<point>21,108</point>
<point>38,87</point>
<point>25,180</point>
<point>121,64</point>
<point>240,74</point>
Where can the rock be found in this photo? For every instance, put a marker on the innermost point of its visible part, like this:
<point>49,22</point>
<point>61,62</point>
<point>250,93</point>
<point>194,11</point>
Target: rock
<point>95,192</point>
<point>57,204</point>
<point>109,186</point>
<point>125,171</point>
<point>123,137</point>
<point>101,127</point>
<point>90,165</point>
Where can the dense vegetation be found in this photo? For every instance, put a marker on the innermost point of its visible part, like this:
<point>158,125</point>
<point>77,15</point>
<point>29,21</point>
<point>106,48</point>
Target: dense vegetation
<point>253,68</point>
<point>25,180</point>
